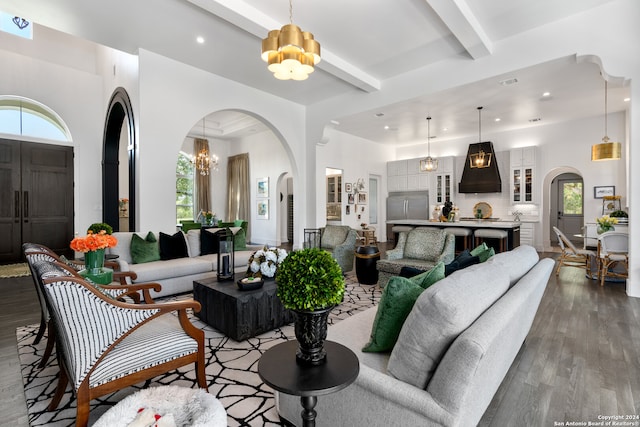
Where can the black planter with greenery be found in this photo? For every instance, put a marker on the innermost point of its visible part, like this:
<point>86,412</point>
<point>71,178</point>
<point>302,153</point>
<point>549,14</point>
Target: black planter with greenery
<point>310,283</point>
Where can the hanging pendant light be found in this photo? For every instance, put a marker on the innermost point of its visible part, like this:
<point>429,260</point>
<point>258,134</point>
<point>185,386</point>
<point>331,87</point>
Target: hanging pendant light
<point>204,161</point>
<point>428,164</point>
<point>606,150</point>
<point>480,159</point>
<point>290,52</point>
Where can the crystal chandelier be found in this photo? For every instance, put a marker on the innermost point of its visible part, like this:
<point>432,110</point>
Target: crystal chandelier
<point>428,164</point>
<point>205,161</point>
<point>606,150</point>
<point>290,52</point>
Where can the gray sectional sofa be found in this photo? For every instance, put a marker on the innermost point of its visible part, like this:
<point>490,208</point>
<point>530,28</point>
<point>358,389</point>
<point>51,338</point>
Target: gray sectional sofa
<point>175,275</point>
<point>453,351</point>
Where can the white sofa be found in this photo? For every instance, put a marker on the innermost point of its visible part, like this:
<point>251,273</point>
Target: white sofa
<point>175,275</point>
<point>437,375</point>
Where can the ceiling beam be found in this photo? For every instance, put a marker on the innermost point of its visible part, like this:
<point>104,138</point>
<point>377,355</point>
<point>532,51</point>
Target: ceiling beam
<point>257,23</point>
<point>457,15</point>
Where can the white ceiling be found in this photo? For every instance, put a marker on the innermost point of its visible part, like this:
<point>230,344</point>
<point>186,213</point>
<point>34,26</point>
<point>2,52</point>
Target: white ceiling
<point>364,43</point>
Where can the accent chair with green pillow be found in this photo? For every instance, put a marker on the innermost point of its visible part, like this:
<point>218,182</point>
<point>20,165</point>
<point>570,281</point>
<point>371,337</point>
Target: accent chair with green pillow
<point>340,241</point>
<point>421,248</point>
<point>396,302</point>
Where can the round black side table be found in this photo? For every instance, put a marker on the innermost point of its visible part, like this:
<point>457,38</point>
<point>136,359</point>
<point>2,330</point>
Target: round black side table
<point>279,369</point>
<point>366,271</point>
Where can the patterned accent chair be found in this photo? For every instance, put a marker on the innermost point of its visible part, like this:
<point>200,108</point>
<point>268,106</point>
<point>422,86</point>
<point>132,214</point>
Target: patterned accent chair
<point>118,344</point>
<point>340,240</point>
<point>34,252</point>
<point>421,248</point>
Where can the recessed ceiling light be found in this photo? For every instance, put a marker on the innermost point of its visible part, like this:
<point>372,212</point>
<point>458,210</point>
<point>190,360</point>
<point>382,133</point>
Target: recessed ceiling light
<point>200,39</point>
<point>627,99</point>
<point>445,129</point>
<point>545,94</point>
<point>508,82</point>
<point>386,128</point>
<point>497,119</point>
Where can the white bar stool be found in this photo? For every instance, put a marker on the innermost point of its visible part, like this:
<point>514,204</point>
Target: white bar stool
<point>490,233</point>
<point>462,235</point>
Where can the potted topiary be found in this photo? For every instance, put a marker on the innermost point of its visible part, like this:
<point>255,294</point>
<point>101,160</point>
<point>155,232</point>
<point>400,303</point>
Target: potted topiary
<point>310,283</point>
<point>97,227</point>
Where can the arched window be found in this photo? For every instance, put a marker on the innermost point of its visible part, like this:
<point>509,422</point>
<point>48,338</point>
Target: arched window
<point>25,117</point>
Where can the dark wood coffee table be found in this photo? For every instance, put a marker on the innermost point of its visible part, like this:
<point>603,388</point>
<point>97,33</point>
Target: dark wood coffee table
<point>279,369</point>
<point>240,314</point>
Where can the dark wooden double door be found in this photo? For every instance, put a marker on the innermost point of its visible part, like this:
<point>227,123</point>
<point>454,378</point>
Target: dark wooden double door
<point>36,197</point>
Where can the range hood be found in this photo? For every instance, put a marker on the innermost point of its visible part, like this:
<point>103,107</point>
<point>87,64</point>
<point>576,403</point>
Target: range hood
<point>480,173</point>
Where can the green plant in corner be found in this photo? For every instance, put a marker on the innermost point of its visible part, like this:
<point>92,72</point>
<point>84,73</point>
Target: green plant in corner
<point>97,227</point>
<point>309,279</point>
<point>619,214</point>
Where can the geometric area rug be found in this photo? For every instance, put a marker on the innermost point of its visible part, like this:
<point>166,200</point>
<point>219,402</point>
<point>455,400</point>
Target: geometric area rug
<point>231,369</point>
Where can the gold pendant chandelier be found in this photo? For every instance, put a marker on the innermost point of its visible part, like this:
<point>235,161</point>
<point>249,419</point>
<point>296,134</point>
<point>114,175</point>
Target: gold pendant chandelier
<point>606,150</point>
<point>480,159</point>
<point>205,161</point>
<point>290,52</point>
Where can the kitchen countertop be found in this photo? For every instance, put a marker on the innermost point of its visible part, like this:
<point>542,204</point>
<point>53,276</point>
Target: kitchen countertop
<point>483,223</point>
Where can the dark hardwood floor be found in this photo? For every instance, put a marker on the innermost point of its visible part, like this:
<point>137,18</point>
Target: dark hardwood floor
<point>580,360</point>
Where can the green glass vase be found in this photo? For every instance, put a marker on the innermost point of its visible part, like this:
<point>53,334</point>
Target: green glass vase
<point>94,269</point>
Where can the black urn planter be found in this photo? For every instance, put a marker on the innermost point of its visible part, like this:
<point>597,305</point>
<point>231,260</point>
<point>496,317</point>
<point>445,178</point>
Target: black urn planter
<point>311,332</point>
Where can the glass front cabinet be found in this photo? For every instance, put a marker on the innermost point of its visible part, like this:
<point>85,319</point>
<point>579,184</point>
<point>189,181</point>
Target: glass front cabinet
<point>523,175</point>
<point>443,181</point>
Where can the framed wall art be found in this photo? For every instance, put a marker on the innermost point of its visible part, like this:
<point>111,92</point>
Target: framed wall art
<point>604,190</point>
<point>263,209</point>
<point>263,187</point>
<point>347,187</point>
<point>362,198</point>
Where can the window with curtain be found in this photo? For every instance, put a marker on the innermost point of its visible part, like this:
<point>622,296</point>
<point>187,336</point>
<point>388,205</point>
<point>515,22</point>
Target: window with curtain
<point>184,187</point>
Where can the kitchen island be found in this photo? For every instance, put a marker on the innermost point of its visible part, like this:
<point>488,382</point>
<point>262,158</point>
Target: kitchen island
<point>511,227</point>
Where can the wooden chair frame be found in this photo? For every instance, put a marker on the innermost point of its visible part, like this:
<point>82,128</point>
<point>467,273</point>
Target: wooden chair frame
<point>572,256</point>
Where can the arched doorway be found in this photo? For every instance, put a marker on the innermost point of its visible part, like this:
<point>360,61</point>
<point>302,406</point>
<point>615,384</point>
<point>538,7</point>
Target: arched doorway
<point>119,118</point>
<point>553,189</point>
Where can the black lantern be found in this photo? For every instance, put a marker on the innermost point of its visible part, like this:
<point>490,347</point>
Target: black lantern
<point>225,255</point>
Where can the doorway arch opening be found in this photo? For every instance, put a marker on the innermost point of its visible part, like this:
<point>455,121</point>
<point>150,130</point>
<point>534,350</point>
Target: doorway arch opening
<point>119,181</point>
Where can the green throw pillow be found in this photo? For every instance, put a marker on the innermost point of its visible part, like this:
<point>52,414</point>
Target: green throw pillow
<point>395,305</point>
<point>430,277</point>
<point>144,250</point>
<point>483,252</point>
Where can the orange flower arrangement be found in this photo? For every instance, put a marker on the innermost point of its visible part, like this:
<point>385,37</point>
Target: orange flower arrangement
<point>93,242</point>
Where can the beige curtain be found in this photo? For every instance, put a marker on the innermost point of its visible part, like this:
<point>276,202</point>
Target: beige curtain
<point>238,190</point>
<point>202,182</point>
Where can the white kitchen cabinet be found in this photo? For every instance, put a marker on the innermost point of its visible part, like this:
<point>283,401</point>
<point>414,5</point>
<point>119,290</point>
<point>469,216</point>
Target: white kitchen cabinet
<point>527,234</point>
<point>443,181</point>
<point>397,168</point>
<point>397,183</point>
<point>418,181</point>
<point>523,175</point>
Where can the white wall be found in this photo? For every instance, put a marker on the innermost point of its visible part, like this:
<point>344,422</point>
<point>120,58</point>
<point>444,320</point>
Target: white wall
<point>173,96</point>
<point>267,159</point>
<point>358,158</point>
<point>76,95</point>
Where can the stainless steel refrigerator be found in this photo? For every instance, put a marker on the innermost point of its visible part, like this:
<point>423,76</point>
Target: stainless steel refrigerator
<point>408,205</point>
